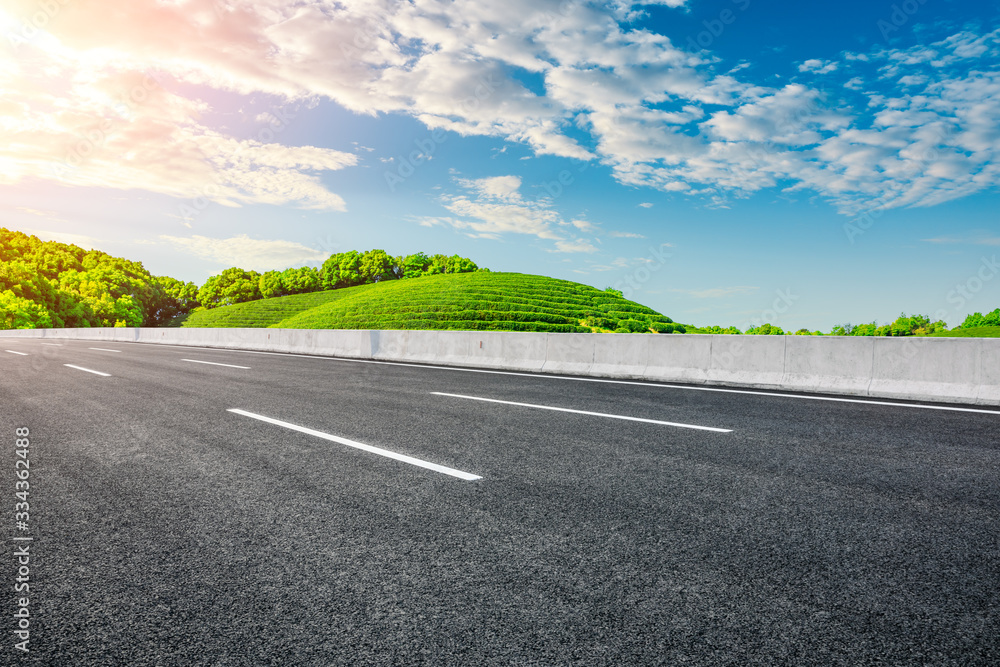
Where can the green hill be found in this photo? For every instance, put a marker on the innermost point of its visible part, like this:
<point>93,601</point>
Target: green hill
<point>971,332</point>
<point>463,301</point>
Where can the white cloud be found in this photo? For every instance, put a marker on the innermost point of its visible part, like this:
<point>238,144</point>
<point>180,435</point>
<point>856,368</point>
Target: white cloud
<point>121,129</point>
<point>575,245</point>
<point>582,225</point>
<point>818,66</point>
<point>646,204</point>
<point>657,115</point>
<point>247,253</point>
<point>493,207</point>
<point>626,235</point>
<point>498,187</point>
<point>619,263</point>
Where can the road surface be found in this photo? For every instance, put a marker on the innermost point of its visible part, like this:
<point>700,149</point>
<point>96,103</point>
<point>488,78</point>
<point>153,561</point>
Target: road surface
<point>196,506</point>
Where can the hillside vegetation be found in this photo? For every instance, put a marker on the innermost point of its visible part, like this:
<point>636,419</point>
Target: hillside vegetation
<point>464,301</point>
<point>260,313</point>
<point>344,269</point>
<point>48,284</point>
<point>54,285</point>
<point>972,332</point>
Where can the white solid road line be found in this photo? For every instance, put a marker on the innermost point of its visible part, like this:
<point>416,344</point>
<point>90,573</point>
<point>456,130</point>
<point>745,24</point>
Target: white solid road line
<point>102,349</point>
<point>81,368</point>
<point>23,354</point>
<point>212,363</point>
<point>53,344</point>
<point>357,445</point>
<point>586,412</point>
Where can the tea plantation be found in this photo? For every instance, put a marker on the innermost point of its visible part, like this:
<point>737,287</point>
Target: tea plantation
<point>463,301</point>
<point>972,332</point>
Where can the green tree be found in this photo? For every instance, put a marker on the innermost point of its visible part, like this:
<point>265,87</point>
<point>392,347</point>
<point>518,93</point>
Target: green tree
<point>234,285</point>
<point>376,266</point>
<point>458,264</point>
<point>20,313</point>
<point>70,282</point>
<point>990,319</point>
<point>128,310</point>
<point>414,266</point>
<point>912,325</point>
<point>270,285</point>
<point>172,297</point>
<point>868,329</point>
<point>341,270</point>
<point>301,280</point>
<point>766,329</point>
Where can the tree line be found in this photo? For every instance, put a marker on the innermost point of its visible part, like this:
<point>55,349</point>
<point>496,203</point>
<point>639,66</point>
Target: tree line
<point>47,284</point>
<point>345,269</point>
<point>50,284</point>
<point>904,325</point>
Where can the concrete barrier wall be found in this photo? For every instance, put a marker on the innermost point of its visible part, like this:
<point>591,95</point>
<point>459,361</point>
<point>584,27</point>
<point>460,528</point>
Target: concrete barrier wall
<point>956,370</point>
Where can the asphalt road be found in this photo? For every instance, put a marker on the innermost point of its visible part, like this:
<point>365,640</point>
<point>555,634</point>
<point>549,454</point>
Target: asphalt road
<point>168,530</point>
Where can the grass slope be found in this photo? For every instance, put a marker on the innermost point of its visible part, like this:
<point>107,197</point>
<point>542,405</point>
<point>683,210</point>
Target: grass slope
<point>464,301</point>
<point>972,332</point>
<point>263,313</point>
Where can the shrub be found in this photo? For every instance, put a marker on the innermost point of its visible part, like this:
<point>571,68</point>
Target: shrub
<point>991,319</point>
<point>634,326</point>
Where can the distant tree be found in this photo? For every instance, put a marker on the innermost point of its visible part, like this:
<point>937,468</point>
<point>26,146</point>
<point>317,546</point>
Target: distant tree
<point>868,329</point>
<point>127,310</point>
<point>766,329</point>
<point>377,266</point>
<point>301,280</point>
<point>912,325</point>
<point>414,266</point>
<point>234,285</point>
<point>732,331</point>
<point>351,268</point>
<point>170,297</point>
<point>458,264</point>
<point>991,319</point>
<point>341,270</point>
<point>270,285</point>
<point>81,288</point>
<point>20,313</point>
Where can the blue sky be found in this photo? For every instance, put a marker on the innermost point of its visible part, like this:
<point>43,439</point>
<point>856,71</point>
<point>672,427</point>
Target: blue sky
<point>725,162</point>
